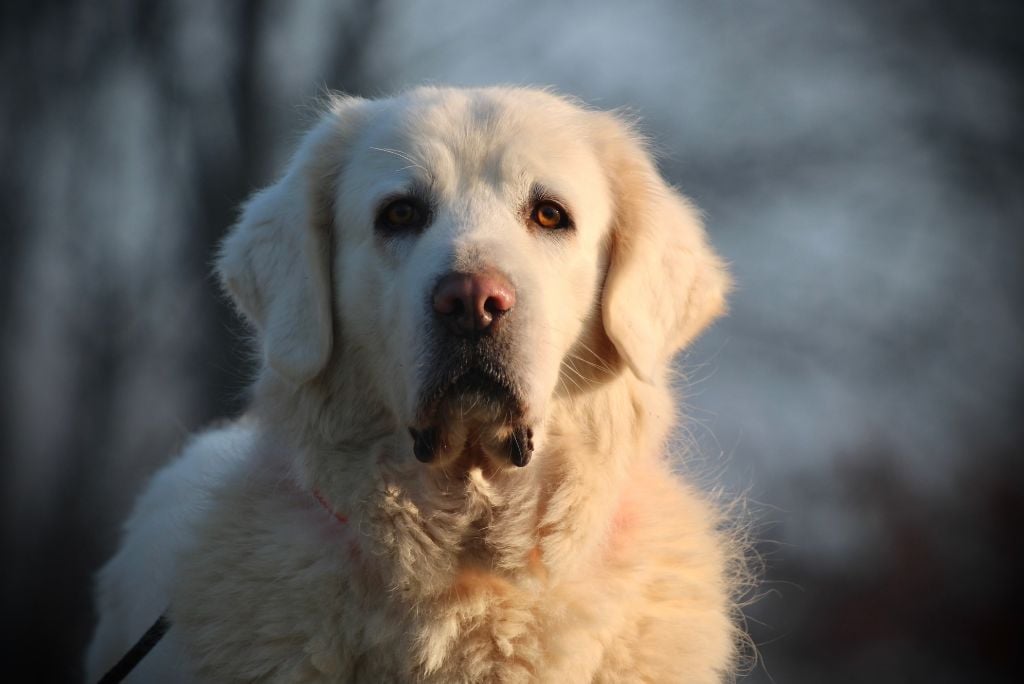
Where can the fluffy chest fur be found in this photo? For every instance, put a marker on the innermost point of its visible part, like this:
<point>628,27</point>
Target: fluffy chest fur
<point>572,576</point>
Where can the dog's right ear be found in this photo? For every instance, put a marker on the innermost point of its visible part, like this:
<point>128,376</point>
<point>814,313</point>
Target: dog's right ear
<point>276,261</point>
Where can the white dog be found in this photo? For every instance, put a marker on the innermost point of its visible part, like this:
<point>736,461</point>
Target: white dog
<point>454,465</point>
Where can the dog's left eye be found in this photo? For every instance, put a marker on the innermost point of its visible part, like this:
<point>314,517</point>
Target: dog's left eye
<point>404,214</point>
<point>550,215</point>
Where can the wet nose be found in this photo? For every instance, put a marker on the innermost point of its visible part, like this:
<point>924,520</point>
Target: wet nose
<point>471,303</point>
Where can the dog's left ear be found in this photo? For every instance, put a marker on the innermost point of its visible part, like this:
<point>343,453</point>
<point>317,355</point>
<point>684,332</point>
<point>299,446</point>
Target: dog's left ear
<point>276,261</point>
<point>664,283</point>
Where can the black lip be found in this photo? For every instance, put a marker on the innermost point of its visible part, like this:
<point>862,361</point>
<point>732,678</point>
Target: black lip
<point>426,444</point>
<point>521,446</point>
<point>488,382</point>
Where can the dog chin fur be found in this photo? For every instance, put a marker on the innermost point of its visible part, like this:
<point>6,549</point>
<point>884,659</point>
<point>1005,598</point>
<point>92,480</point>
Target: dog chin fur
<point>595,562</point>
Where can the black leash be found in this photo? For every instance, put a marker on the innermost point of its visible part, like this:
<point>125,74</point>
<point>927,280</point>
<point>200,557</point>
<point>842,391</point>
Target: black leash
<point>137,652</point>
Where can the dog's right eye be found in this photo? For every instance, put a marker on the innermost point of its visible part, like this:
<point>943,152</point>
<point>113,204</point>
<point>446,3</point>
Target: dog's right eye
<point>403,214</point>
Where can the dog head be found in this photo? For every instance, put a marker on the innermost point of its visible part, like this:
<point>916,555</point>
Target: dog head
<point>462,244</point>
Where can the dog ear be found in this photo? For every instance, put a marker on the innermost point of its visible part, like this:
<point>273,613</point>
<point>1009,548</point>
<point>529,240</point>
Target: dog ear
<point>276,261</point>
<point>664,283</point>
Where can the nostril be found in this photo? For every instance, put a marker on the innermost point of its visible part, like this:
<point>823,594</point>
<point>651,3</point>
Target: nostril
<point>495,306</point>
<point>450,295</point>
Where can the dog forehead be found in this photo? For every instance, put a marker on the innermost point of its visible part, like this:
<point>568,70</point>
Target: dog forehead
<point>452,139</point>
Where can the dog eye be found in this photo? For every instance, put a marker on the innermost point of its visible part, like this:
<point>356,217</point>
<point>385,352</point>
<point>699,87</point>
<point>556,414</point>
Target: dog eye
<point>403,214</point>
<point>549,215</point>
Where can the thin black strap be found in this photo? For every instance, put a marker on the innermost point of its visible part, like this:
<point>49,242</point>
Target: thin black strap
<point>137,652</point>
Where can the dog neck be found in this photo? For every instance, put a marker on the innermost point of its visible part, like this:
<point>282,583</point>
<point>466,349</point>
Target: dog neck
<point>421,527</point>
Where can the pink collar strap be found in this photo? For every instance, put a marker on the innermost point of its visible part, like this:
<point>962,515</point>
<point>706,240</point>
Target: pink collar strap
<point>327,507</point>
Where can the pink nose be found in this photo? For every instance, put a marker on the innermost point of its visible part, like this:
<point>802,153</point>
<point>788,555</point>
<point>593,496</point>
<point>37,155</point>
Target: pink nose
<point>470,303</point>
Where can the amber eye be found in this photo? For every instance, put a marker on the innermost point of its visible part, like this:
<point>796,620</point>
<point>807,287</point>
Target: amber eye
<point>403,213</point>
<point>547,214</point>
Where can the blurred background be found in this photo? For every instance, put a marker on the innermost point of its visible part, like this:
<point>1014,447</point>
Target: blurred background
<point>860,166</point>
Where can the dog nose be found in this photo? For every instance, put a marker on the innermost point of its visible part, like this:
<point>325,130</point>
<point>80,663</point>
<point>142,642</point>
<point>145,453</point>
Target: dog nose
<point>470,303</point>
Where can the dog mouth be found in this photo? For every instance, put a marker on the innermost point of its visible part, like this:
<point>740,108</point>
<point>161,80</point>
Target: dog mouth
<point>473,412</point>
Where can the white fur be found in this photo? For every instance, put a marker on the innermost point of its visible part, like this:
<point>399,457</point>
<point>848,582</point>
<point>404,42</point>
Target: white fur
<point>593,563</point>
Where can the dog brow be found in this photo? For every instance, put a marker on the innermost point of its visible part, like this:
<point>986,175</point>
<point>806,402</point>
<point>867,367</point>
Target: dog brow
<point>413,164</point>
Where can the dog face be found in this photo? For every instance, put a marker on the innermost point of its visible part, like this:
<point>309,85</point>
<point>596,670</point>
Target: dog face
<point>472,256</point>
<point>463,243</point>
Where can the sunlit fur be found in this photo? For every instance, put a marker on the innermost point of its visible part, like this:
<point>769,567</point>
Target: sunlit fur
<point>593,563</point>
